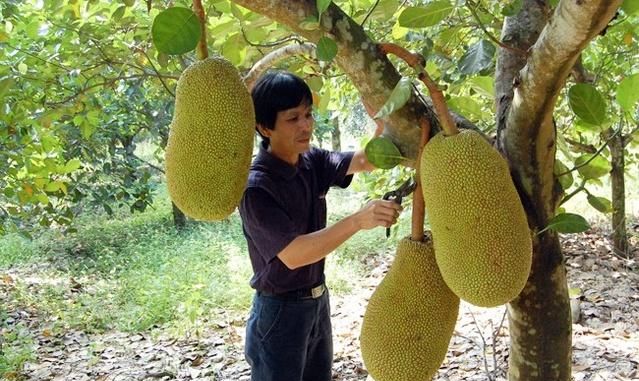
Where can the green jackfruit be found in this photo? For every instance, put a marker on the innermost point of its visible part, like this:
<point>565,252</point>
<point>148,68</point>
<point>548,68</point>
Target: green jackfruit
<point>482,241</point>
<point>410,317</point>
<point>210,140</point>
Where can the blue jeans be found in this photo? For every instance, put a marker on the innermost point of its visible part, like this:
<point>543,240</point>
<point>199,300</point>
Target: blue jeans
<point>289,340</point>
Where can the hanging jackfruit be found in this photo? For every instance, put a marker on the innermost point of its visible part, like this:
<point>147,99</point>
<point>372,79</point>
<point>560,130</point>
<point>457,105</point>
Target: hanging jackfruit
<point>410,317</point>
<point>482,241</point>
<point>210,140</point>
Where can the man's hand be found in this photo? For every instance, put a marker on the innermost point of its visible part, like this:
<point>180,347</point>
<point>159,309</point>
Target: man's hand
<point>378,213</point>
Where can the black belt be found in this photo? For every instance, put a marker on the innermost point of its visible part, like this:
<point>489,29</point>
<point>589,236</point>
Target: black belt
<point>303,294</point>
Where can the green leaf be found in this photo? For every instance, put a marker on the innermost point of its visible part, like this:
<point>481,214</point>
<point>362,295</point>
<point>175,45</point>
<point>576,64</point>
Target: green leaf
<point>118,13</point>
<point>429,15</point>
<point>324,99</point>
<point>87,129</point>
<point>5,85</point>
<point>568,223</point>
<point>587,103</point>
<point>71,165</point>
<point>385,10</point>
<point>382,153</point>
<point>602,204</point>
<point>315,83</point>
<point>630,6</point>
<point>566,179</point>
<point>512,7</point>
<point>176,31</point>
<point>466,106</point>
<point>326,49</point>
<point>322,5</point>
<point>237,12</point>
<point>477,58</point>
<point>483,85</point>
<point>398,98</point>
<point>595,169</point>
<point>627,93</point>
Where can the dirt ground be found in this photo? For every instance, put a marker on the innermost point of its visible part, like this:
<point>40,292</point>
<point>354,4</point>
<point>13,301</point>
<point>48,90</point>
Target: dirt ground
<point>605,333</point>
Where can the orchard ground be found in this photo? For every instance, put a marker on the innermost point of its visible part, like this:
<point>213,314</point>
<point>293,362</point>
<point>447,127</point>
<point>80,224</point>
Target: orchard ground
<point>129,298</point>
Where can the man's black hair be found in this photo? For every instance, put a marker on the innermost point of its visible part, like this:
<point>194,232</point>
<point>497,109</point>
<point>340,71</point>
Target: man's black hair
<point>277,91</point>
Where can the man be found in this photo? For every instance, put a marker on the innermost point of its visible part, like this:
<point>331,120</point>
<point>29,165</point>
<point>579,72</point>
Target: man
<point>283,210</point>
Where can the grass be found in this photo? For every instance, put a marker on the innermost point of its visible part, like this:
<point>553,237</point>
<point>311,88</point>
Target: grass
<point>137,272</point>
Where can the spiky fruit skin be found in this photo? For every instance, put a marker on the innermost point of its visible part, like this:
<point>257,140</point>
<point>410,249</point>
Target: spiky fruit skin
<point>410,317</point>
<point>210,140</point>
<point>482,241</point>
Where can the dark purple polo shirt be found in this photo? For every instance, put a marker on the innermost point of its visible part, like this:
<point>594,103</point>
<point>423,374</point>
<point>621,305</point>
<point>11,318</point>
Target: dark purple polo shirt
<point>281,202</point>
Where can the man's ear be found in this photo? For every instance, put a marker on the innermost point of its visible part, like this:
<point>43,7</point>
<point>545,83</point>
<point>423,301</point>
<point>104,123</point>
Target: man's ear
<point>265,132</point>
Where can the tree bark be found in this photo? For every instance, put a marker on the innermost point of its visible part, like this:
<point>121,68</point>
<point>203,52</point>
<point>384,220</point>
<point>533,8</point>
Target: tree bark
<point>336,136</point>
<point>539,319</point>
<point>618,184</point>
<point>179,219</point>
<point>371,72</point>
<point>527,89</point>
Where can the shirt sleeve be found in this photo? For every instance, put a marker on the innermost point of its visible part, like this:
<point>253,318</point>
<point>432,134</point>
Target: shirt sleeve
<point>266,223</point>
<point>334,167</point>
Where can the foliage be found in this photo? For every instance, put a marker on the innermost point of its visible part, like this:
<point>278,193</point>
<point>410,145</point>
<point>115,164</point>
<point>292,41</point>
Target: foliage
<point>16,348</point>
<point>81,84</point>
<point>79,89</point>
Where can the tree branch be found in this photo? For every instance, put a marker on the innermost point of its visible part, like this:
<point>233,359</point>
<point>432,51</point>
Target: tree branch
<point>107,82</point>
<point>587,148</point>
<point>580,74</point>
<point>369,13</point>
<point>284,40</point>
<point>275,56</point>
<point>147,163</point>
<point>528,139</point>
<point>576,167</point>
<point>158,74</point>
<point>471,6</point>
<point>372,74</point>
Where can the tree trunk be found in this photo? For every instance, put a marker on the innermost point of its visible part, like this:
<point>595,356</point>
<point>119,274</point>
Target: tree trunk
<point>179,219</point>
<point>619,234</point>
<point>527,88</point>
<point>336,136</point>
<point>539,319</point>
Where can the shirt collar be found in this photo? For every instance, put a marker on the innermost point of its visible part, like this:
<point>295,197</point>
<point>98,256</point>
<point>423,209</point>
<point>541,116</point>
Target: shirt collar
<point>266,161</point>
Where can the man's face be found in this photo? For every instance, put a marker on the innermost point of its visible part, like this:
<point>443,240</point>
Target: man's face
<point>293,130</point>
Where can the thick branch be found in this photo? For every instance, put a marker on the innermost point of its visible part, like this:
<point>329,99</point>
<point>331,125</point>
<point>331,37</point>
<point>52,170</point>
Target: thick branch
<point>369,69</point>
<point>275,56</point>
<point>529,136</point>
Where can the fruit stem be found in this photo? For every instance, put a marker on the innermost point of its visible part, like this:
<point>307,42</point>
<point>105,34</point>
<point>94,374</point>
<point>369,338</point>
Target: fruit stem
<point>417,226</point>
<point>417,62</point>
<point>201,50</point>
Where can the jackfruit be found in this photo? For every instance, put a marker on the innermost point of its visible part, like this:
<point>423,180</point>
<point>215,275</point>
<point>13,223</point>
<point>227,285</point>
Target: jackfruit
<point>482,241</point>
<point>210,140</point>
<point>410,317</point>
